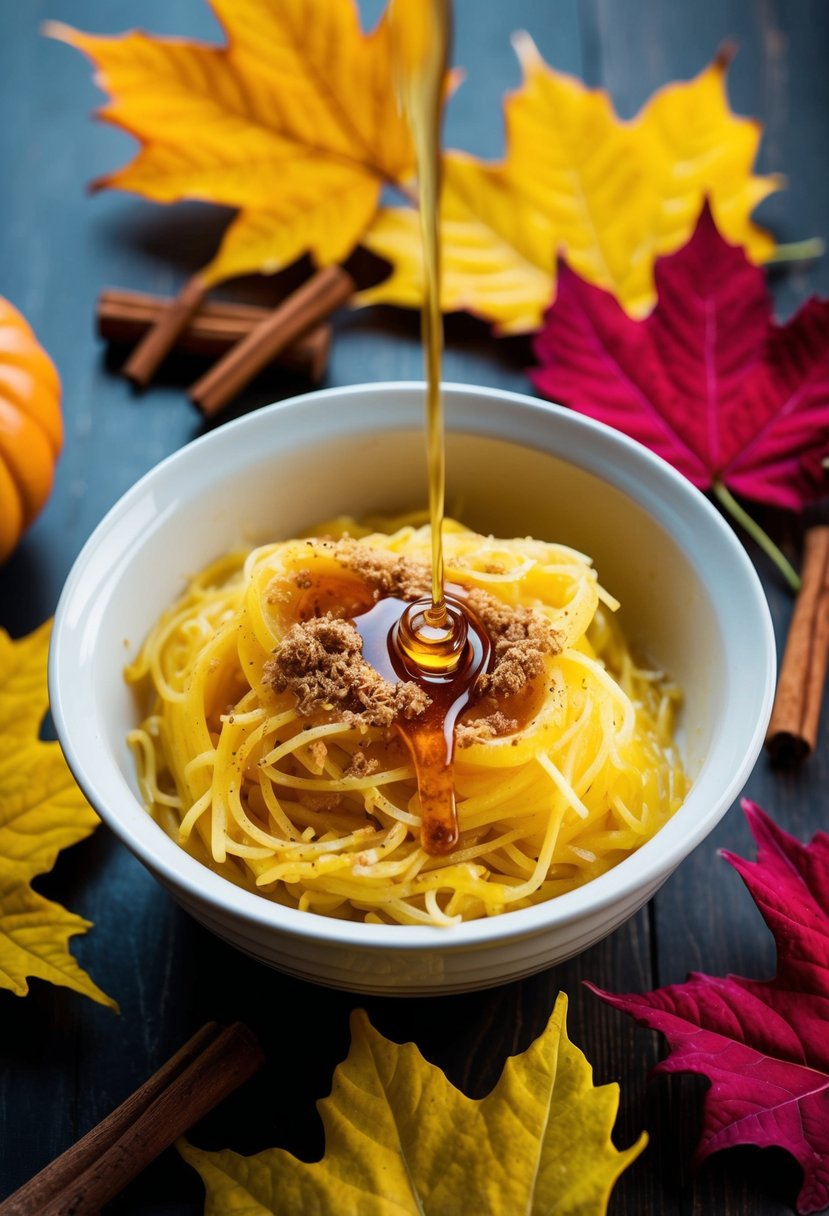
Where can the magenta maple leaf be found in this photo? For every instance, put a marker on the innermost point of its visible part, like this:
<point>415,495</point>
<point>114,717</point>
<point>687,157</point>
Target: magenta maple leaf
<point>764,1045</point>
<point>708,381</point>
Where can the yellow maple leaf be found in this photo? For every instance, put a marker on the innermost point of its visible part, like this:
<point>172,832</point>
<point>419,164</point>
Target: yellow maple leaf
<point>41,812</point>
<point>577,181</point>
<point>294,122</point>
<point>400,1138</point>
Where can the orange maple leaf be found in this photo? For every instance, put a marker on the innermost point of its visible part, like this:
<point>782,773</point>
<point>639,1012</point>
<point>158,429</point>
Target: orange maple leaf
<point>294,122</point>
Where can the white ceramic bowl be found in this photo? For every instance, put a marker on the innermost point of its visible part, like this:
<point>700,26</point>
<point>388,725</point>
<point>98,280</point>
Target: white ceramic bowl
<point>515,466</point>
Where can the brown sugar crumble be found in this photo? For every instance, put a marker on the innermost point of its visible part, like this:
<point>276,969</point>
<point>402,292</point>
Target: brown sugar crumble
<point>361,765</point>
<point>318,754</point>
<point>319,800</point>
<point>321,662</point>
<point>479,730</point>
<point>520,637</point>
<point>386,573</point>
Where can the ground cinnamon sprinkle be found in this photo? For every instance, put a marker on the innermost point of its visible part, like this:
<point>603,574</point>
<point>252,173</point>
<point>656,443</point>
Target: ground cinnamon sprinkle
<point>320,660</point>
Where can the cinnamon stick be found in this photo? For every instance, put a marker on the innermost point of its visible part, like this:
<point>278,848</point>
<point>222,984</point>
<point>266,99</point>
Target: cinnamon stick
<point>793,729</point>
<point>161,338</point>
<point>125,316</point>
<point>315,300</point>
<point>78,1183</point>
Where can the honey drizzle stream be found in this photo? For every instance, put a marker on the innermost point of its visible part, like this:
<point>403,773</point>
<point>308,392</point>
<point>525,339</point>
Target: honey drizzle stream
<point>436,642</point>
<point>421,38</point>
<point>425,117</point>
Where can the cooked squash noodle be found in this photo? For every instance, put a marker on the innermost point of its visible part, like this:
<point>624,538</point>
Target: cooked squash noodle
<point>277,804</point>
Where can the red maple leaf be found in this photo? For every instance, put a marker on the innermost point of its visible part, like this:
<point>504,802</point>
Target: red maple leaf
<point>764,1045</point>
<point>709,380</point>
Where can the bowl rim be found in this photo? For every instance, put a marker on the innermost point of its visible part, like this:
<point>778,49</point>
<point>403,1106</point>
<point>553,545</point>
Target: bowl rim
<point>176,868</point>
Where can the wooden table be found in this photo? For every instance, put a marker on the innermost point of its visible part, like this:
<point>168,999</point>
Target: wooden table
<point>67,1062</point>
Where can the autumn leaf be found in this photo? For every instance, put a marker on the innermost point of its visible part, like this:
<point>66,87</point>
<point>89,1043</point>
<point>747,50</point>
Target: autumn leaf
<point>576,180</point>
<point>708,381</point>
<point>41,812</point>
<point>294,122</point>
<point>400,1138</point>
<point>764,1045</point>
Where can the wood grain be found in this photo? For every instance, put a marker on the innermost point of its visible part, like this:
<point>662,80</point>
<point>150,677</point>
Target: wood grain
<point>64,1063</point>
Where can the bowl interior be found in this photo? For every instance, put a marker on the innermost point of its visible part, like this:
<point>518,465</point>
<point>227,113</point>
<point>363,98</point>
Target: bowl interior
<point>691,601</point>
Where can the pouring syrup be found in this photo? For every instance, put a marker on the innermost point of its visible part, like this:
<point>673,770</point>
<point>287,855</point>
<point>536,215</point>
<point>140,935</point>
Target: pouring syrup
<point>435,641</point>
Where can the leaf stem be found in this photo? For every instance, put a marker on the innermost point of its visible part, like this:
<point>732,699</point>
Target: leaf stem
<point>730,504</point>
<point>798,251</point>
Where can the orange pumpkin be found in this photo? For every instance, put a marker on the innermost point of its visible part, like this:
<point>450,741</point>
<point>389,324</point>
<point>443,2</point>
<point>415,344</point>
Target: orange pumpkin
<point>31,429</point>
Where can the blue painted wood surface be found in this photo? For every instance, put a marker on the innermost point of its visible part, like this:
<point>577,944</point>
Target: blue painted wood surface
<point>65,1062</point>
